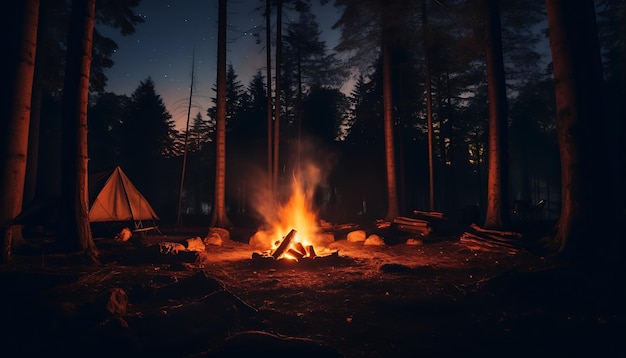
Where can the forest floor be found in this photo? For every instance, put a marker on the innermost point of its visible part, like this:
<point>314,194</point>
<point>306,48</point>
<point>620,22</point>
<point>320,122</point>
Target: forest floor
<point>440,298</point>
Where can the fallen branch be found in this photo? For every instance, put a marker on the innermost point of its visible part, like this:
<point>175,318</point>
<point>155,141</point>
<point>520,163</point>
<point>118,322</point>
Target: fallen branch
<point>496,232</point>
<point>410,221</point>
<point>434,214</point>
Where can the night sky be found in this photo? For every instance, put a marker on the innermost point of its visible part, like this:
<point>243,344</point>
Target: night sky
<point>162,48</point>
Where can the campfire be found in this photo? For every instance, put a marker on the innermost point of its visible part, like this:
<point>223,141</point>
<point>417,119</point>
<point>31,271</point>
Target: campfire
<point>292,231</point>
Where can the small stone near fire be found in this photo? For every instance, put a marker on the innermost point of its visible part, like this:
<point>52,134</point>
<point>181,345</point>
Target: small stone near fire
<point>216,236</point>
<point>123,235</point>
<point>356,236</point>
<point>412,241</point>
<point>374,239</point>
<point>195,244</point>
<point>213,239</point>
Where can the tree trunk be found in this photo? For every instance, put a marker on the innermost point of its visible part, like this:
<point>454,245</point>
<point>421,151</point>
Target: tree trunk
<point>220,219</point>
<point>75,229</point>
<point>32,165</point>
<point>497,179</point>
<point>268,53</point>
<point>179,216</point>
<point>393,210</point>
<point>429,111</point>
<point>14,168</point>
<point>587,211</point>
<point>279,15</point>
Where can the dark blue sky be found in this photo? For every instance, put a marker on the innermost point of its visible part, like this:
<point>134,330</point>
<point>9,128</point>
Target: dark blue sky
<point>163,45</point>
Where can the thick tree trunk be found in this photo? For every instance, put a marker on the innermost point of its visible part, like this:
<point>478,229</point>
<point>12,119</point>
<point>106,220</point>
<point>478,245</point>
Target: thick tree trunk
<point>276,181</point>
<point>75,229</point>
<point>268,54</point>
<point>587,210</point>
<point>220,219</point>
<point>393,210</point>
<point>429,110</point>
<point>497,215</point>
<point>32,172</point>
<point>14,164</point>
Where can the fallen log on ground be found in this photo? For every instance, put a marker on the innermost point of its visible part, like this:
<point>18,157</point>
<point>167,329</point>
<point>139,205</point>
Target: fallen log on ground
<point>434,214</point>
<point>496,232</point>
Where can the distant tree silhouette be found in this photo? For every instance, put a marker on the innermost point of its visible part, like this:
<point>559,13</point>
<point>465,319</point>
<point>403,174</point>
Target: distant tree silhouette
<point>147,138</point>
<point>364,123</point>
<point>235,92</point>
<point>306,64</point>
<point>323,110</point>
<point>106,118</point>
<point>255,108</point>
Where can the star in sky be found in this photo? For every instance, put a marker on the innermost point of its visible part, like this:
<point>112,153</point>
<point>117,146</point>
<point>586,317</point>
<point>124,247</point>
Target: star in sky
<point>177,35</point>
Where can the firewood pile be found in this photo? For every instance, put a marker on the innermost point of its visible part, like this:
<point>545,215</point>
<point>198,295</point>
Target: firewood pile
<point>481,239</point>
<point>290,249</point>
<point>423,223</point>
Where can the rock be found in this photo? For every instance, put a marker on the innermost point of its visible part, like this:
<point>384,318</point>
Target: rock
<point>375,240</point>
<point>195,244</point>
<point>416,242</point>
<point>356,236</point>
<point>216,236</point>
<point>124,235</point>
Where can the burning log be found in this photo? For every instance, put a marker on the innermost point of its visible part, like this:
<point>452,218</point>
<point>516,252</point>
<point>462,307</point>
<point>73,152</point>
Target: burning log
<point>310,251</point>
<point>284,245</point>
<point>295,253</point>
<point>300,248</point>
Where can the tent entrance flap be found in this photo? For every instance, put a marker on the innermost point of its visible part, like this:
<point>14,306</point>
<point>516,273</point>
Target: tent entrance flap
<point>119,200</point>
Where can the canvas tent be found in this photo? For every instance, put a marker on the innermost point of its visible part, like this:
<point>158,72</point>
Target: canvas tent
<point>116,199</point>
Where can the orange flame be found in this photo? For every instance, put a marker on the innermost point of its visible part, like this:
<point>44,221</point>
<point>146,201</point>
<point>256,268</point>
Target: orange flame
<point>298,214</point>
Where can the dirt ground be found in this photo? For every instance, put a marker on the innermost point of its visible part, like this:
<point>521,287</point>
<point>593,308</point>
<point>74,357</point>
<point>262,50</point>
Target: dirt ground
<point>440,298</point>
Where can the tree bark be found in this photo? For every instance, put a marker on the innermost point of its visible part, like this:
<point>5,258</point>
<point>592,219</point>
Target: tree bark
<point>429,110</point>
<point>587,208</point>
<point>276,181</point>
<point>268,54</point>
<point>14,168</point>
<point>220,218</point>
<point>497,178</point>
<point>393,210</point>
<point>75,229</point>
